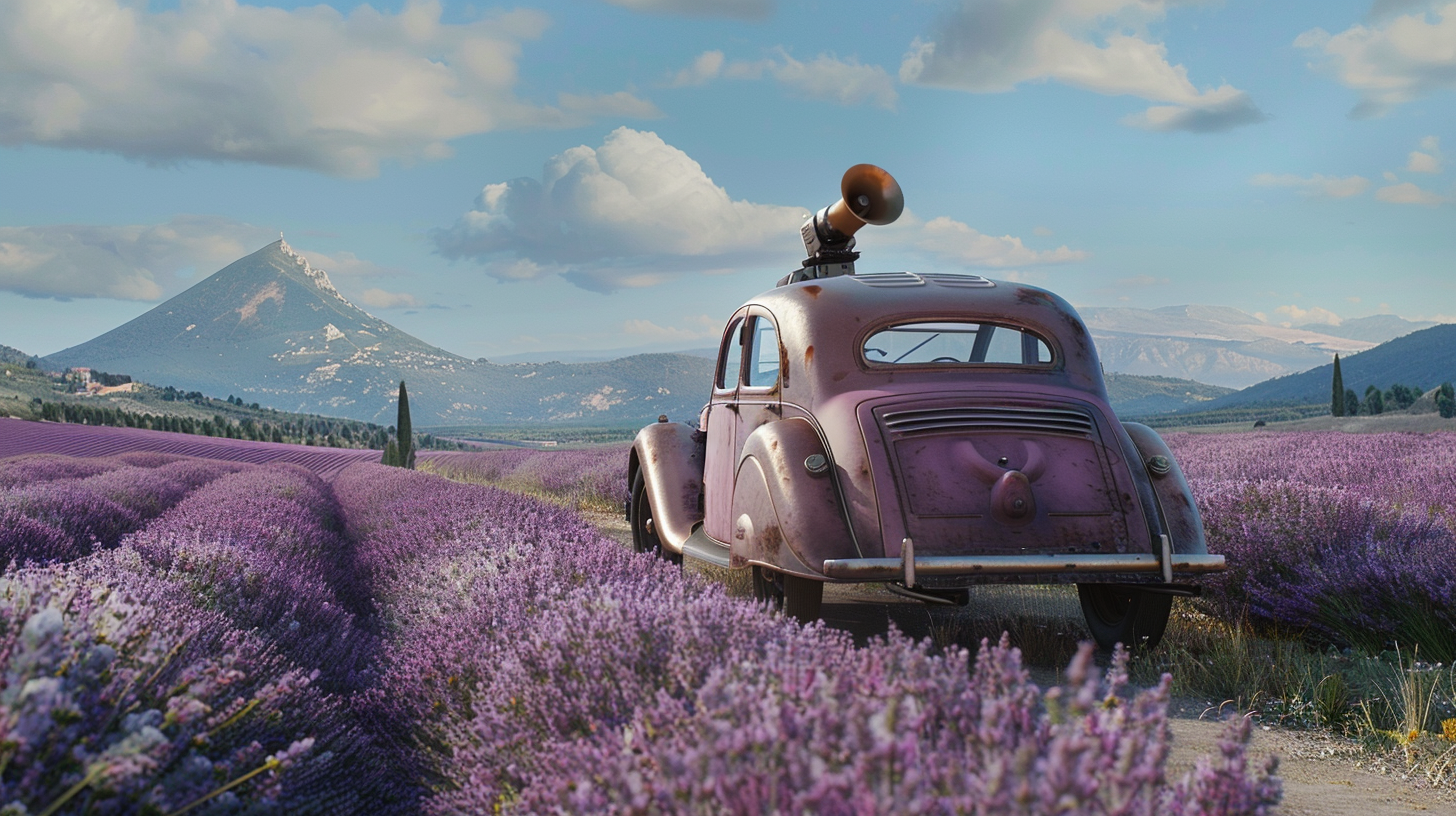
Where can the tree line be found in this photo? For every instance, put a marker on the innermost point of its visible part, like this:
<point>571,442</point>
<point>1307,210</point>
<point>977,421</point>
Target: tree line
<point>1345,402</point>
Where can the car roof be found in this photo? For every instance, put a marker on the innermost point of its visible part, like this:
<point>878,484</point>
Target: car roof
<point>826,316</point>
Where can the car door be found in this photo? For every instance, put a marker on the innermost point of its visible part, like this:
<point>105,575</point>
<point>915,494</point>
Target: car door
<point>721,456</point>
<point>759,394</point>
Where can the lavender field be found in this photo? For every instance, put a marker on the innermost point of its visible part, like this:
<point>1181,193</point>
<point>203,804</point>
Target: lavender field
<point>185,635</point>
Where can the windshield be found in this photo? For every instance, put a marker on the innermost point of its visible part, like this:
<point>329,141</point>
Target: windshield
<point>956,343</point>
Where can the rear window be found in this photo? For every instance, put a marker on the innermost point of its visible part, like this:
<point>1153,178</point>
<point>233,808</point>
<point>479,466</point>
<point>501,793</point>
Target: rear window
<point>952,343</point>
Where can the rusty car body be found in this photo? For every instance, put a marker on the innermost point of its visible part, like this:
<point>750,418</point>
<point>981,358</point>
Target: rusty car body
<point>929,431</point>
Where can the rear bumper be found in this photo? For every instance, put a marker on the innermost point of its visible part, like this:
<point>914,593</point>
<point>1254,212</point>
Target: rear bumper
<point>889,569</point>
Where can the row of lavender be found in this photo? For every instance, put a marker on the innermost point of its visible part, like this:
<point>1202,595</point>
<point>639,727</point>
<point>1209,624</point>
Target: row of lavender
<point>1349,539</point>
<point>184,635</point>
<point>547,669</point>
<point>587,478</point>
<point>1346,538</point>
<point>403,643</point>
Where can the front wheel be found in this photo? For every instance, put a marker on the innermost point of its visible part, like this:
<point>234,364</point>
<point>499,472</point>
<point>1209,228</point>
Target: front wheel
<point>644,533</point>
<point>1128,615</point>
<point>799,598</point>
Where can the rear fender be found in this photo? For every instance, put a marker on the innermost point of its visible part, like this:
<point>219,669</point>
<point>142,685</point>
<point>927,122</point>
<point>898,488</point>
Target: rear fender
<point>1180,511</point>
<point>787,516</point>
<point>670,457</point>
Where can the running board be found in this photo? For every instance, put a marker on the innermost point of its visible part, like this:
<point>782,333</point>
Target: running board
<point>703,548</point>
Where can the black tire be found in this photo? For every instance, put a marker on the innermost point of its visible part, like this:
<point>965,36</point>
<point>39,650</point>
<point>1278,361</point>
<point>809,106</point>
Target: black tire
<point>1117,613</point>
<point>645,540</point>
<point>799,598</point>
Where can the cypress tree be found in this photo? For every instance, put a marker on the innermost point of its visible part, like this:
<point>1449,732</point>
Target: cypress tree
<point>1337,391</point>
<point>405,433</point>
<point>391,453</point>
<point>1446,401</point>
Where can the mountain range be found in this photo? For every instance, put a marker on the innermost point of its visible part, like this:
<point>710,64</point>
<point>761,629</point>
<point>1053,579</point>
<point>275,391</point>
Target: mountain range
<point>1422,359</point>
<point>270,328</point>
<point>1224,346</point>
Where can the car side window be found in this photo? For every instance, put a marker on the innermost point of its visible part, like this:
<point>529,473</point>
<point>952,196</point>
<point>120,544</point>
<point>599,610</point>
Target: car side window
<point>763,354</point>
<point>730,356</point>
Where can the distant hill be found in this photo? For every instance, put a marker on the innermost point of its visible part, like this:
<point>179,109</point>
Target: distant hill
<point>273,330</point>
<point>597,356</point>
<point>1133,396</point>
<point>1224,346</point>
<point>1423,359</point>
<point>10,356</point>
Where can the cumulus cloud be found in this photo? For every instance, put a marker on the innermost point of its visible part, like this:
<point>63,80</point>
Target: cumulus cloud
<point>826,77</point>
<point>1427,159</point>
<point>1397,58</point>
<point>633,212</point>
<point>991,46</point>
<point>1315,185</point>
<point>637,212</point>
<point>308,87</point>
<point>140,262</point>
<point>1304,317</point>
<point>741,9</point>
<point>1408,193</point>
<point>381,299</point>
<point>950,241</point>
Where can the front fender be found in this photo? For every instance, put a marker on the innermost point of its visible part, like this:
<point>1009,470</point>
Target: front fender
<point>669,455</point>
<point>1180,511</point>
<point>787,516</point>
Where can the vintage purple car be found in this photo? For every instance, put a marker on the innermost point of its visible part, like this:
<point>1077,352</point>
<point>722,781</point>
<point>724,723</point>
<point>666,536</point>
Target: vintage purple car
<point>930,431</point>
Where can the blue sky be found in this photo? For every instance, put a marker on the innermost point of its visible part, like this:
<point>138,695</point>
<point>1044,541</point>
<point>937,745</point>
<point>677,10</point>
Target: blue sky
<point>595,173</point>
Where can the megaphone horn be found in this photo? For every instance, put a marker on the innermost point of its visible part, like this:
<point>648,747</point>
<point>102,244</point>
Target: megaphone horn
<point>869,195</point>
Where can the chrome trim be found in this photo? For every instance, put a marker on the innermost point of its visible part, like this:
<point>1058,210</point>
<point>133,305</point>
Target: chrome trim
<point>890,569</point>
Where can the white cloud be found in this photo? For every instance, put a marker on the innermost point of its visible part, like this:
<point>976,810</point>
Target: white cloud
<point>638,212</point>
<point>826,77</point>
<point>991,46</point>
<point>947,240</point>
<point>1389,176</point>
<point>1041,231</point>
<point>742,9</point>
<point>139,262</point>
<point>381,299</point>
<point>1315,185</point>
<point>634,212</point>
<point>1304,317</point>
<point>308,87</point>
<point>1399,57</point>
<point>1408,193</point>
<point>1428,161</point>
<point>708,66</point>
<point>692,328</point>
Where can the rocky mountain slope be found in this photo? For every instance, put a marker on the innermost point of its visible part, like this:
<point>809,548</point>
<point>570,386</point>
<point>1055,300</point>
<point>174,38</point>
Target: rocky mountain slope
<point>272,329</point>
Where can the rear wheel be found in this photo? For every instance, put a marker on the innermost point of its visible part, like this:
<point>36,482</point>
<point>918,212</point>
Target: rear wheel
<point>1123,614</point>
<point>644,532</point>
<point>799,598</point>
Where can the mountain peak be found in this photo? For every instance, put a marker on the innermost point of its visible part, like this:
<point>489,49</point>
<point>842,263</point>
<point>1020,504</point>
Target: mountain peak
<point>317,277</point>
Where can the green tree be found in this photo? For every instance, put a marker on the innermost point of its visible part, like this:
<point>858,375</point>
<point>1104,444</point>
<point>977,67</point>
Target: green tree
<point>1352,402</point>
<point>404,432</point>
<point>1446,400</point>
<point>1374,400</point>
<point>391,454</point>
<point>1337,391</point>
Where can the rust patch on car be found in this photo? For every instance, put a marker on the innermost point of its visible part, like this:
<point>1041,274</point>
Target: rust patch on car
<point>772,540</point>
<point>813,290</point>
<point>808,356</point>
